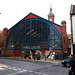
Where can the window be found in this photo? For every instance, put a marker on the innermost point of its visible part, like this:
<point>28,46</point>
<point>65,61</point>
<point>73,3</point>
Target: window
<point>33,34</point>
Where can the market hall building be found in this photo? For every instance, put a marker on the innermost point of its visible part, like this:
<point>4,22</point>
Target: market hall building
<point>36,33</point>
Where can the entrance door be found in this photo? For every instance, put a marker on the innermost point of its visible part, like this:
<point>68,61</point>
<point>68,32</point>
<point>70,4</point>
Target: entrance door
<point>17,51</point>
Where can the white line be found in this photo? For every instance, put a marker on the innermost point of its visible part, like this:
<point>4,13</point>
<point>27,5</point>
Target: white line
<point>30,71</point>
<point>15,69</point>
<point>18,68</point>
<point>45,74</point>
<point>10,68</point>
<point>37,72</point>
<point>23,70</point>
<point>17,72</point>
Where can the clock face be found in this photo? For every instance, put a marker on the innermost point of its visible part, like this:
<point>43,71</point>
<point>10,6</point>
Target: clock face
<point>50,19</point>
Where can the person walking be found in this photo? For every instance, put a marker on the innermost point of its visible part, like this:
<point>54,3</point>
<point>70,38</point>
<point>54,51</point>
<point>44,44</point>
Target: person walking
<point>72,65</point>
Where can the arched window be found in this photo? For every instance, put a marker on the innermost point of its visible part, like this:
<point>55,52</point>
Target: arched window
<point>31,34</point>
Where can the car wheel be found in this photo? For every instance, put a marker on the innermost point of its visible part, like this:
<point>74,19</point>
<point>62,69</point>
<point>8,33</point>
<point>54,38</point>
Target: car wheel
<point>67,64</point>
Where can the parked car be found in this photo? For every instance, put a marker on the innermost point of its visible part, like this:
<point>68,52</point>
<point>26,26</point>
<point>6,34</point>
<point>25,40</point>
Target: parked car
<point>66,62</point>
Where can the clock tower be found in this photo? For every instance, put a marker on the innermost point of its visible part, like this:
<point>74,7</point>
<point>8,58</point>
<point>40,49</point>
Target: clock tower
<point>51,15</point>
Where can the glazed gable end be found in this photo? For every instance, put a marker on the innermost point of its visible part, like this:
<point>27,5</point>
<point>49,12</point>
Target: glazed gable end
<point>33,16</point>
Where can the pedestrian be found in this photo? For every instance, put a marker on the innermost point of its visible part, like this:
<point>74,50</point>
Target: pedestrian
<point>34,55</point>
<point>72,65</point>
<point>50,51</point>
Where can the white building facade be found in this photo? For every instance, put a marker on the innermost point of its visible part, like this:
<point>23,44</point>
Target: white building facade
<point>72,16</point>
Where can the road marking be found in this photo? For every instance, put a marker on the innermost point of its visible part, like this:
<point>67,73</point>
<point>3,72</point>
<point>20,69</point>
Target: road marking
<point>17,72</point>
<point>3,66</point>
<point>45,74</point>
<point>18,68</point>
<point>30,71</point>
<point>37,72</point>
<point>23,70</point>
<point>14,68</point>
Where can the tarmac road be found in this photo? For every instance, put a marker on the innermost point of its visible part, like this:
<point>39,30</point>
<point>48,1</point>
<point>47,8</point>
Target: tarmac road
<point>17,67</point>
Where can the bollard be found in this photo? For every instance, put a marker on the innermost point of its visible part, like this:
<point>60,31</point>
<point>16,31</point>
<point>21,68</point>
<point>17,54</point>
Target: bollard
<point>27,58</point>
<point>19,58</point>
<point>14,57</point>
<point>10,57</point>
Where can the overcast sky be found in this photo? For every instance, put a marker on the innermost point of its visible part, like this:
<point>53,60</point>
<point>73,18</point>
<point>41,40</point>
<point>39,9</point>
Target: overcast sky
<point>13,11</point>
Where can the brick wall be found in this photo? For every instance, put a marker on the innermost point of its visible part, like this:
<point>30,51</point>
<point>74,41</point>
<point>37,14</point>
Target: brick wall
<point>9,53</point>
<point>64,37</point>
<point>3,41</point>
<point>51,17</point>
<point>64,42</point>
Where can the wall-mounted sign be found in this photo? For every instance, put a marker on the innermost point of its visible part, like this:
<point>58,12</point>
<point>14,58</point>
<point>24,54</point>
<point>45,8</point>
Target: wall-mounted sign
<point>45,46</point>
<point>51,44</point>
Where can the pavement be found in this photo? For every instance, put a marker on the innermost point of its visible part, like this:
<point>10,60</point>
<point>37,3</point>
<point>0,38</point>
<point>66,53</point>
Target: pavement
<point>32,60</point>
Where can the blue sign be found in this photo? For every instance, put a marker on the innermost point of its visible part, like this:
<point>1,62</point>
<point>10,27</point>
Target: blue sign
<point>51,44</point>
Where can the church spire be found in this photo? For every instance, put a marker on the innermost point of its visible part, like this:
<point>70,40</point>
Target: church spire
<point>51,14</point>
<point>50,7</point>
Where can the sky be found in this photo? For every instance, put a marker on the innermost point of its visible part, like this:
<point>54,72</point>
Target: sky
<point>12,11</point>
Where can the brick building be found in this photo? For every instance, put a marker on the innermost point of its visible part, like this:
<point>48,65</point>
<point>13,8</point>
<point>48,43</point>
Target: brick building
<point>35,33</point>
<point>3,41</point>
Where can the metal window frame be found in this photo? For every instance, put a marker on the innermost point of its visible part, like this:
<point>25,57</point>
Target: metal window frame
<point>15,28</point>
